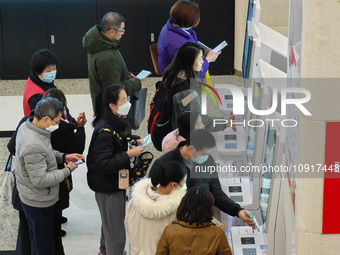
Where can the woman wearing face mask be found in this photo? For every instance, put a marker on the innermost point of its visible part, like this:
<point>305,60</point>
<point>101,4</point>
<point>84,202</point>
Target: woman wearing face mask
<point>106,156</point>
<point>41,78</point>
<point>186,122</point>
<point>180,78</point>
<point>184,15</point>
<point>153,206</point>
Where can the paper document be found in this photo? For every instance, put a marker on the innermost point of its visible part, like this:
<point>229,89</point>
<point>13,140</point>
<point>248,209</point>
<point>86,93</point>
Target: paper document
<point>216,49</point>
<point>220,46</point>
<point>205,47</point>
<point>143,74</point>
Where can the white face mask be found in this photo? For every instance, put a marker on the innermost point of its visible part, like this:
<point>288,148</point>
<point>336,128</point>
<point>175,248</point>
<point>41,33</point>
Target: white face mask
<point>199,159</point>
<point>124,109</point>
<point>52,128</point>
<point>49,77</point>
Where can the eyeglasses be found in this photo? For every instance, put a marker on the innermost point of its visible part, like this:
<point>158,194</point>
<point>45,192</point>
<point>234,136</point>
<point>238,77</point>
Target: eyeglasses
<point>57,123</point>
<point>122,31</point>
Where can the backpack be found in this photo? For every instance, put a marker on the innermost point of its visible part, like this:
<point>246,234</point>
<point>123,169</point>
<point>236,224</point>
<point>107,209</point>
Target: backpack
<point>159,122</point>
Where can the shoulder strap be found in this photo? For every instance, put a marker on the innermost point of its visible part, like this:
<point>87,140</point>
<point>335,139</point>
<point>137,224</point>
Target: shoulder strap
<point>180,87</point>
<point>9,164</point>
<point>114,132</point>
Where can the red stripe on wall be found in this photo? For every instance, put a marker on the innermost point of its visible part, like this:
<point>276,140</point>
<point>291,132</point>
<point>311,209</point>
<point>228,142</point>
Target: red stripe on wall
<point>331,194</point>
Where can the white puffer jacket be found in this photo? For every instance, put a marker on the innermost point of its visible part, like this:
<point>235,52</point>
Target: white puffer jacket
<point>147,215</point>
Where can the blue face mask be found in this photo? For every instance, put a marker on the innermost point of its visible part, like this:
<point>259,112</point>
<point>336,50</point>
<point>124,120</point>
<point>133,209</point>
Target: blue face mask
<point>186,28</point>
<point>200,159</point>
<point>49,77</point>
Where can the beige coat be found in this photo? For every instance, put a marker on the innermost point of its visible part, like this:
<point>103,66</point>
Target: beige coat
<point>147,215</point>
<point>182,238</point>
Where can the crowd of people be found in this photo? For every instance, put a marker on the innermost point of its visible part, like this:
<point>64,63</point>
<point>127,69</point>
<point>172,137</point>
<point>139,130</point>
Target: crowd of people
<point>170,211</point>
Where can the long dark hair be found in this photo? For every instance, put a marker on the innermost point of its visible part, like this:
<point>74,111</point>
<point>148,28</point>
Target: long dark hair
<point>104,99</point>
<point>183,62</point>
<point>196,206</point>
<point>172,171</point>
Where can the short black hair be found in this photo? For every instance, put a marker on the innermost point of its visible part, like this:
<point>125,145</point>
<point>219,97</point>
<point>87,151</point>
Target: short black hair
<point>41,59</point>
<point>196,206</point>
<point>111,20</point>
<point>186,123</point>
<point>201,139</point>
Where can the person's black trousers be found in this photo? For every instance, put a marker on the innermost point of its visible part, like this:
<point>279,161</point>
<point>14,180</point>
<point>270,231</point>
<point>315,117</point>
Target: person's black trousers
<point>41,229</point>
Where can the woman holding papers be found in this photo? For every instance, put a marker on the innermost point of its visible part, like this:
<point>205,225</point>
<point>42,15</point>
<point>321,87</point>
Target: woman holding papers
<point>184,15</point>
<point>180,78</point>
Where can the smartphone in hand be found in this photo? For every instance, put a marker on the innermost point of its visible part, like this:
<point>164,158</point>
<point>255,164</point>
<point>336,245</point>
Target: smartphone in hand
<point>80,161</point>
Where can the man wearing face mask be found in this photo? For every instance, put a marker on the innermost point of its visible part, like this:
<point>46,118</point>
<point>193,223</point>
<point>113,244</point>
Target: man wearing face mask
<point>67,137</point>
<point>37,175</point>
<point>106,65</point>
<point>195,152</point>
<point>41,78</point>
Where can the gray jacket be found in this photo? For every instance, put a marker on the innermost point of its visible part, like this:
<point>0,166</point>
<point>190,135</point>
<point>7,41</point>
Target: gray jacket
<point>36,170</point>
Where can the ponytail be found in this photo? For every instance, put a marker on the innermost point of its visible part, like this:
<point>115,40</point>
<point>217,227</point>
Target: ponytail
<point>156,176</point>
<point>172,171</point>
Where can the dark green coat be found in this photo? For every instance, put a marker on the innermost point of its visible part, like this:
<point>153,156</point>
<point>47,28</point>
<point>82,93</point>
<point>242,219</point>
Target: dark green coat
<point>106,65</point>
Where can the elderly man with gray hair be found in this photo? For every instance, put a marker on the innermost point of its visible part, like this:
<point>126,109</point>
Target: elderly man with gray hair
<point>37,175</point>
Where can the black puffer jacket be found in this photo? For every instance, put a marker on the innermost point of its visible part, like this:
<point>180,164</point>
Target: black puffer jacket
<point>107,155</point>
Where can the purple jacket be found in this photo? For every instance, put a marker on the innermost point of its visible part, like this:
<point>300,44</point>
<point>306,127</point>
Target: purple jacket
<point>170,40</point>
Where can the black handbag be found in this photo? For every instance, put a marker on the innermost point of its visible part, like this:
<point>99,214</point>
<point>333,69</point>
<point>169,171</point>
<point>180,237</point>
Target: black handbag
<point>139,165</point>
<point>137,110</point>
